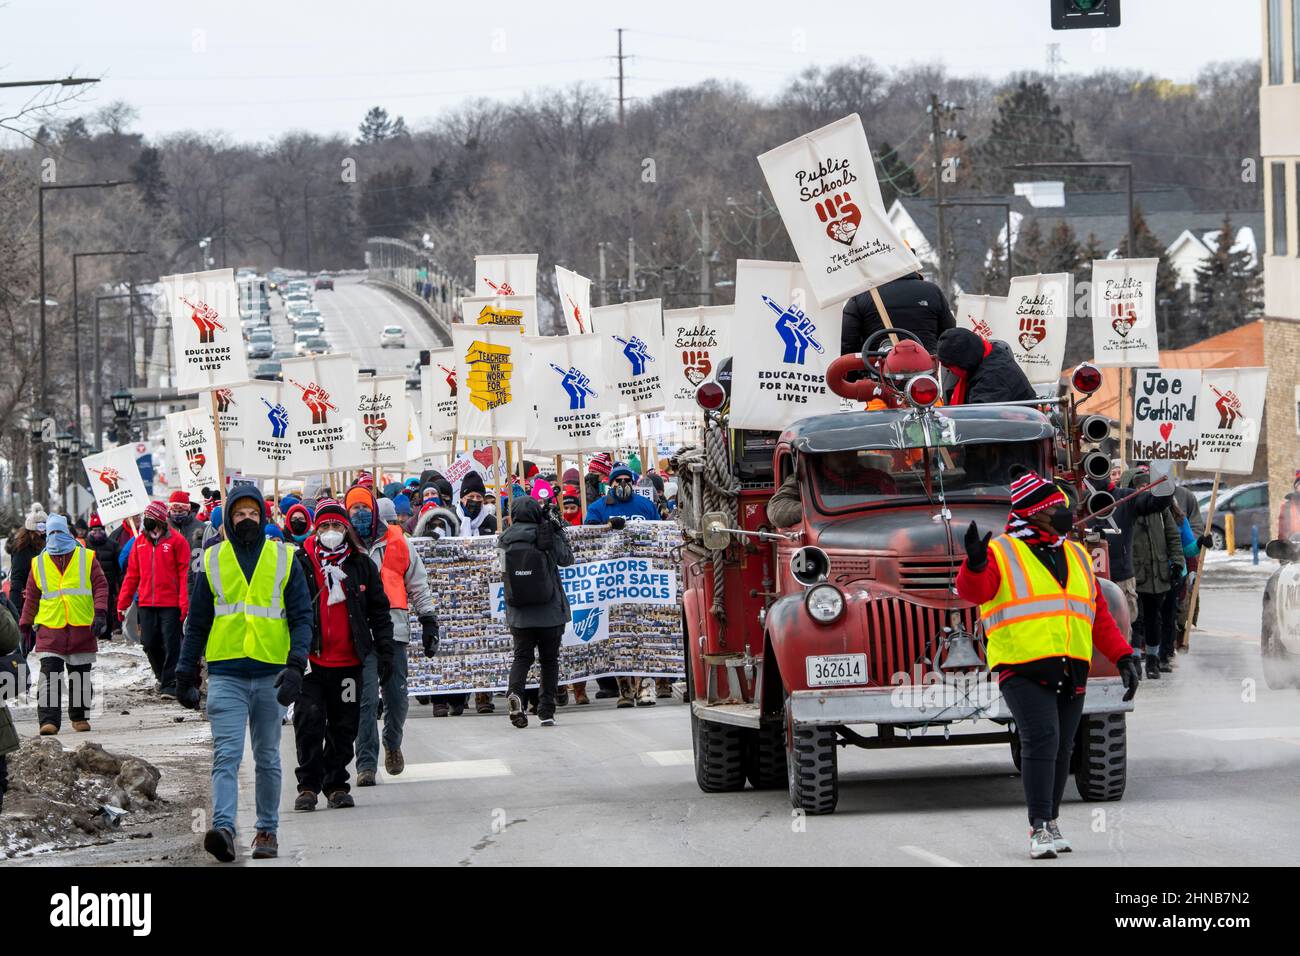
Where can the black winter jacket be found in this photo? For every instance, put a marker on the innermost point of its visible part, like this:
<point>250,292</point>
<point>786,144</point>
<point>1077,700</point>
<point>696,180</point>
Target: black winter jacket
<point>526,521</point>
<point>368,617</point>
<point>989,378</point>
<point>912,303</point>
<point>1125,516</point>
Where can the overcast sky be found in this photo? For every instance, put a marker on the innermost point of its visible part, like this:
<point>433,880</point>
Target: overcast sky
<point>254,70</point>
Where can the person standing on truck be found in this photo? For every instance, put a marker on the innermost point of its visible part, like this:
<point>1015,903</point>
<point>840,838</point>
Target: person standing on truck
<point>980,372</point>
<point>1042,611</point>
<point>914,305</point>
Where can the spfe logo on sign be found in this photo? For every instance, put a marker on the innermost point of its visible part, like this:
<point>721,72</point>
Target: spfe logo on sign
<point>796,331</point>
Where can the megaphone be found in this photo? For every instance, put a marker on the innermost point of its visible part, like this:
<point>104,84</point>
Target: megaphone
<point>1095,428</point>
<point>1096,465</point>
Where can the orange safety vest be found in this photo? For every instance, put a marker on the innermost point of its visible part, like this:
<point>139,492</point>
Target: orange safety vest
<point>397,558</point>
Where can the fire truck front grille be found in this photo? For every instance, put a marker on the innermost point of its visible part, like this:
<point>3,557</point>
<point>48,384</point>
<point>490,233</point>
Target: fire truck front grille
<point>901,633</point>
<point>927,574</point>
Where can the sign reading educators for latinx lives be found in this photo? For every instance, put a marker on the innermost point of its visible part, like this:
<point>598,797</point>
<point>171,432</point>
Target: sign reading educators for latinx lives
<point>1124,312</point>
<point>986,315</point>
<point>782,344</point>
<point>632,343</point>
<point>571,398</point>
<point>1166,426</point>
<point>115,480</point>
<point>438,393</point>
<point>517,312</point>
<point>575,301</point>
<point>1231,411</point>
<point>695,342</point>
<point>1039,307</point>
<point>490,365</point>
<point>505,275</point>
<point>381,412</point>
<point>321,394</point>
<point>824,184</point>
<point>207,337</point>
<point>267,437</point>
<point>192,444</point>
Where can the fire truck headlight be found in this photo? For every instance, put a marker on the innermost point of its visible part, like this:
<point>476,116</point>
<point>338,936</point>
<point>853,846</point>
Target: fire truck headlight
<point>825,603</point>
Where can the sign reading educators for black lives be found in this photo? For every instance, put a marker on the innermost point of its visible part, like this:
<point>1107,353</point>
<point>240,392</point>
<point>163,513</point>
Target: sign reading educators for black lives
<point>571,399</point>
<point>1232,410</point>
<point>632,342</point>
<point>207,337</point>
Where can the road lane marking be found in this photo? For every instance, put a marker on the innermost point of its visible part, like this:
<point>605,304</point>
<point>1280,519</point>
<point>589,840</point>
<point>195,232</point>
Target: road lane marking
<point>932,858</point>
<point>668,758</point>
<point>1246,733</point>
<point>450,770</point>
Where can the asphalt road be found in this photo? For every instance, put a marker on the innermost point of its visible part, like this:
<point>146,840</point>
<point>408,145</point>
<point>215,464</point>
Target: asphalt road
<point>1214,769</point>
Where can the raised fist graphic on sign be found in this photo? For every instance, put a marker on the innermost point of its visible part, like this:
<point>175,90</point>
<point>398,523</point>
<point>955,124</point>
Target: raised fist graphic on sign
<point>636,352</point>
<point>696,365</point>
<point>796,331</point>
<point>842,217</point>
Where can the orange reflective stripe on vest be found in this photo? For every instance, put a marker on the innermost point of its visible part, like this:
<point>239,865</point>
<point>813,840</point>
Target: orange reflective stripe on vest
<point>397,558</point>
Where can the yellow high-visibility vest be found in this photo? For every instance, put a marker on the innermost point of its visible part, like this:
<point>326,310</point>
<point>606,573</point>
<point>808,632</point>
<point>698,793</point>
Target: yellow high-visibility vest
<point>66,596</point>
<point>1032,617</point>
<point>248,616</point>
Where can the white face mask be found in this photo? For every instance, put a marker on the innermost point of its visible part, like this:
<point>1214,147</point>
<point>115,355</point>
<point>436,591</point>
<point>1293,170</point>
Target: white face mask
<point>331,539</point>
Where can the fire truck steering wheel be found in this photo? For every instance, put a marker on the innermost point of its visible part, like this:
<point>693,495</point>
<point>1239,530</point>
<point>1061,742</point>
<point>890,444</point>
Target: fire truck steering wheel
<point>873,355</point>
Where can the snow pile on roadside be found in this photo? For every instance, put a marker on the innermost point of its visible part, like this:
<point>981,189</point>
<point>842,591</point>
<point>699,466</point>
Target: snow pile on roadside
<point>1235,571</point>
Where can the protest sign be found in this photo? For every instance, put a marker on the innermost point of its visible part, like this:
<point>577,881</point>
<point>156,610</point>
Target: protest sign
<point>575,301</point>
<point>321,394</point>
<point>1124,312</point>
<point>824,185</point>
<point>381,411</point>
<point>1231,408</point>
<point>438,393</point>
<point>1166,426</point>
<point>489,363</point>
<point>988,316</point>
<point>192,444</point>
<point>207,338</point>
<point>1040,307</point>
<point>266,434</point>
<point>115,479</point>
<point>632,349</point>
<point>505,275</point>
<point>571,397</point>
<point>518,312</point>
<point>695,341</point>
<point>416,436</point>
<point>782,344</point>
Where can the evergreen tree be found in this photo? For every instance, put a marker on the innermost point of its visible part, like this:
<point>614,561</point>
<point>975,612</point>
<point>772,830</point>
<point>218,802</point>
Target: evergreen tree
<point>1173,320</point>
<point>377,127</point>
<point>1027,253</point>
<point>1229,290</point>
<point>149,178</point>
<point>1061,252</point>
<point>993,277</point>
<point>1028,128</point>
<point>896,177</point>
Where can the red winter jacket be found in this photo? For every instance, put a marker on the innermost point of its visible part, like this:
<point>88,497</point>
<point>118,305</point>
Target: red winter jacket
<point>159,571</point>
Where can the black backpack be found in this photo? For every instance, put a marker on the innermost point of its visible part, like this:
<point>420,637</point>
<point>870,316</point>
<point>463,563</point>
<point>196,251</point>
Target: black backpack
<point>530,577</point>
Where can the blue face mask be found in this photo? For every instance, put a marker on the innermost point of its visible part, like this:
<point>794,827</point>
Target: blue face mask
<point>299,538</point>
<point>362,519</point>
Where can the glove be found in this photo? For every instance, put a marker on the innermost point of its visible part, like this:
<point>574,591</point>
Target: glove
<point>429,634</point>
<point>120,614</point>
<point>1130,674</point>
<point>1205,541</point>
<point>289,685</point>
<point>187,689</point>
<point>617,523</point>
<point>99,626</point>
<point>29,640</point>
<point>385,670</point>
<point>977,548</point>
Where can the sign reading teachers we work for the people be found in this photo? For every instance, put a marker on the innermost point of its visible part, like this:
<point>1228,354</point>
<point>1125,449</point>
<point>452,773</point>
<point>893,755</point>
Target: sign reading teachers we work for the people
<point>824,184</point>
<point>207,337</point>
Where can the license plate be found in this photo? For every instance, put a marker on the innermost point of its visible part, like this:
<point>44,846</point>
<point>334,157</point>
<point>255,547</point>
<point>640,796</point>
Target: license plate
<point>833,669</point>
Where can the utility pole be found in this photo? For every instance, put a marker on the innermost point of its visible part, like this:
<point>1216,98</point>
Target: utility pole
<point>306,227</point>
<point>604,289</point>
<point>631,265</point>
<point>706,283</point>
<point>223,229</point>
<point>936,145</point>
<point>621,58</point>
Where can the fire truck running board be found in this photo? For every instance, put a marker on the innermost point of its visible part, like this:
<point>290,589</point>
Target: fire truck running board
<point>738,714</point>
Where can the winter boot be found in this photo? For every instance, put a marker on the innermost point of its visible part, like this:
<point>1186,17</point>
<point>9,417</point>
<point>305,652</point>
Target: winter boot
<point>1153,667</point>
<point>457,707</point>
<point>663,688</point>
<point>562,696</point>
<point>81,726</point>
<point>440,710</point>
<point>366,778</point>
<point>580,694</point>
<point>483,703</point>
<point>646,693</point>
<point>339,800</point>
<point>220,842</point>
<point>265,846</point>
<point>1041,844</point>
<point>306,800</point>
<point>626,692</point>
<point>394,762</point>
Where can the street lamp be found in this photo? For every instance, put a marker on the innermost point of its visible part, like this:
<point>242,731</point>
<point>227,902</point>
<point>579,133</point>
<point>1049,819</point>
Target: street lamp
<point>63,445</point>
<point>123,408</point>
<point>76,317</point>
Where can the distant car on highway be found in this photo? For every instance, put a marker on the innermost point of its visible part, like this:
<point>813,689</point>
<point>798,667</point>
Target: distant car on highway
<point>394,336</point>
<point>295,305</point>
<point>413,375</point>
<point>316,346</point>
<point>303,322</point>
<point>281,354</point>
<point>268,371</point>
<point>324,281</point>
<point>260,344</point>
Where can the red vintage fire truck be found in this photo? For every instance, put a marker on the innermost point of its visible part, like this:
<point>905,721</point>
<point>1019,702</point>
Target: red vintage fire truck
<point>845,629</point>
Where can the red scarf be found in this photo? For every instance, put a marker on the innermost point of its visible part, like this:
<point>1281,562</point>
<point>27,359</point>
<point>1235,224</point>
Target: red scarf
<point>961,374</point>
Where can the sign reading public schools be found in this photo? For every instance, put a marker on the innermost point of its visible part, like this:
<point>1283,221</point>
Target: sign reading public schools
<point>1039,307</point>
<point>1124,312</point>
<point>696,341</point>
<point>207,338</point>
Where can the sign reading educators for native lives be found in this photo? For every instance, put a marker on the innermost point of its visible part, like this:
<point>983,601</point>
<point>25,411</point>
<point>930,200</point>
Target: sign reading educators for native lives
<point>575,301</point>
<point>782,344</point>
<point>1124,312</point>
<point>505,275</point>
<point>824,184</point>
<point>267,439</point>
<point>570,395</point>
<point>988,316</point>
<point>115,480</point>
<point>438,393</point>
<point>207,337</point>
<point>381,410</point>
<point>632,343</point>
<point>695,341</point>
<point>192,444</point>
<point>593,587</point>
<point>1231,413</point>
<point>1166,426</point>
<point>321,393</point>
<point>1039,307</point>
<point>490,364</point>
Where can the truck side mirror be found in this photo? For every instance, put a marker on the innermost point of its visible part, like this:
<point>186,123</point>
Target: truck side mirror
<point>1280,550</point>
<point>716,536</point>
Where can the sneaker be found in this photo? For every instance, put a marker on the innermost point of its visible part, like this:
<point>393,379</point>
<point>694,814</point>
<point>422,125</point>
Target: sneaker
<point>81,726</point>
<point>366,778</point>
<point>580,694</point>
<point>483,704</point>
<point>306,800</point>
<point>441,710</point>
<point>340,800</point>
<point>394,762</point>
<point>548,720</point>
<point>517,715</point>
<point>220,842</point>
<point>265,846</point>
<point>1041,844</point>
<point>1060,843</point>
<point>532,707</point>
<point>645,696</point>
<point>1153,667</point>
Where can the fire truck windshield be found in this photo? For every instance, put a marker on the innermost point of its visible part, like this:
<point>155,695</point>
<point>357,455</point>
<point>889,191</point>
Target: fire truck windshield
<point>852,480</point>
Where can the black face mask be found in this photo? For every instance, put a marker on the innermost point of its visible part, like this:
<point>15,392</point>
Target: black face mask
<point>471,508</point>
<point>622,491</point>
<point>298,526</point>
<point>248,531</point>
<point>177,520</point>
<point>1062,521</point>
<point>97,535</point>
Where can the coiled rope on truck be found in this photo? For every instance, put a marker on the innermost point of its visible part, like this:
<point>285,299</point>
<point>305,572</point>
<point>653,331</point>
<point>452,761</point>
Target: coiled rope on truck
<point>720,491</point>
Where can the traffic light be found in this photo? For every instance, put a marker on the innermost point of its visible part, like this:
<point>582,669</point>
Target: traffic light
<point>1084,14</point>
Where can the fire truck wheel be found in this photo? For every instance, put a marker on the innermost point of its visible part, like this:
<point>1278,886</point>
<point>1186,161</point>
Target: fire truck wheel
<point>719,755</point>
<point>1103,757</point>
<point>811,767</point>
<point>765,757</point>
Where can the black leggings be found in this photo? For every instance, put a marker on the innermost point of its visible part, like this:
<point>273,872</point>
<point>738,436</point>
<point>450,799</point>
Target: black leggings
<point>1047,722</point>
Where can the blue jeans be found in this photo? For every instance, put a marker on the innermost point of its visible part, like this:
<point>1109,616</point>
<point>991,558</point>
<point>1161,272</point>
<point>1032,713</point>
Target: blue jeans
<point>234,702</point>
<point>396,704</point>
